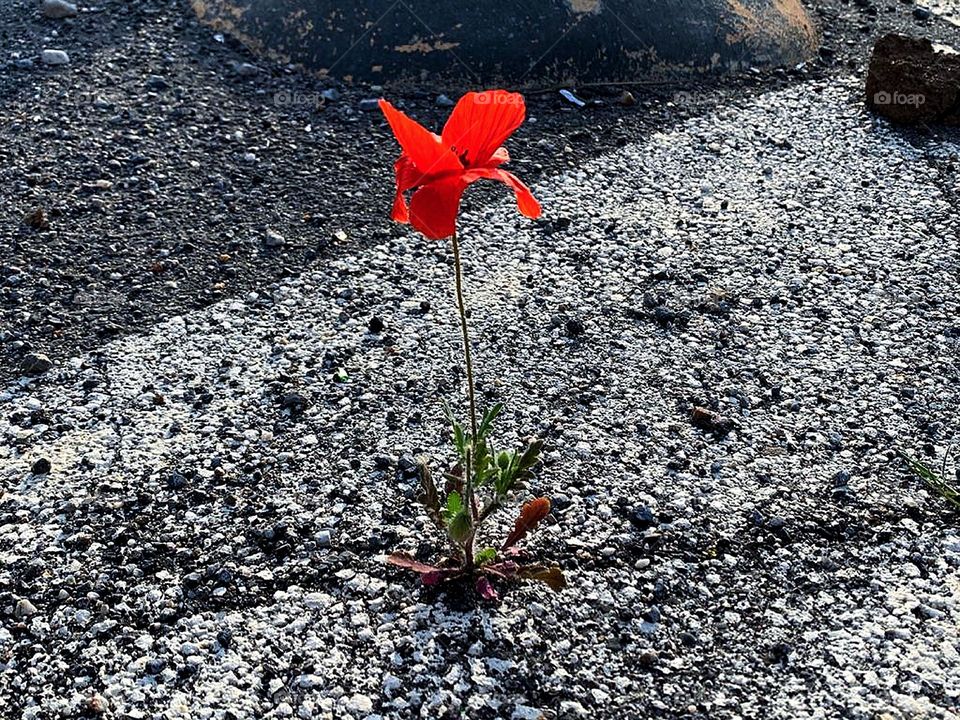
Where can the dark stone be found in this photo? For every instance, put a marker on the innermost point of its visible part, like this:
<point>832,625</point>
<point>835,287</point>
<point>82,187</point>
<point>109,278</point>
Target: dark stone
<point>911,83</point>
<point>642,517</point>
<point>376,325</point>
<point>711,422</point>
<point>36,364</point>
<point>560,501</point>
<point>294,403</point>
<point>601,40</point>
<point>41,467</point>
<point>176,481</point>
<point>575,327</point>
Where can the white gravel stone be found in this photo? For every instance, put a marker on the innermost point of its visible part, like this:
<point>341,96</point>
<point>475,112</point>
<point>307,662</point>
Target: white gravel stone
<point>54,57</point>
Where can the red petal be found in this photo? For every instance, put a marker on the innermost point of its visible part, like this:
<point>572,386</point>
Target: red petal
<point>407,177</point>
<point>526,202</point>
<point>425,149</point>
<point>499,157</point>
<point>481,122</point>
<point>434,207</point>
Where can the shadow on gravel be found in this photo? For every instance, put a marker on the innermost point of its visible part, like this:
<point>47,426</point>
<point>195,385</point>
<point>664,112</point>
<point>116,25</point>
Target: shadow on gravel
<point>171,169</point>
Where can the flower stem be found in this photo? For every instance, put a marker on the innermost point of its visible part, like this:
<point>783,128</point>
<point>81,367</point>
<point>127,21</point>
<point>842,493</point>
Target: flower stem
<point>469,501</point>
<point>466,335</point>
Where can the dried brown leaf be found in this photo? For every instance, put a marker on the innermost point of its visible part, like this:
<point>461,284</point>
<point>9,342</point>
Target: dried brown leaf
<point>530,516</point>
<point>552,576</point>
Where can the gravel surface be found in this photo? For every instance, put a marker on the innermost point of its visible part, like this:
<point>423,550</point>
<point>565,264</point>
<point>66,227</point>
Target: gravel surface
<point>208,539</point>
<point>194,514</point>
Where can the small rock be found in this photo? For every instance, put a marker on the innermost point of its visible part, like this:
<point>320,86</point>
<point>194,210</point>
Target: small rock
<point>23,609</point>
<point>709,421</point>
<point>627,99</point>
<point>156,82</point>
<point>176,481</point>
<point>369,104</point>
<point>294,403</point>
<point>330,94</point>
<point>274,239</point>
<point>360,705</point>
<point>246,69</point>
<point>36,364</point>
<point>642,517</point>
<point>40,467</point>
<point>155,666</point>
<point>57,9</point>
<point>444,101</point>
<point>922,13</point>
<point>54,57</point>
<point>37,219</point>
<point>323,538</point>
<point>572,710</point>
<point>575,327</point>
<point>376,325</point>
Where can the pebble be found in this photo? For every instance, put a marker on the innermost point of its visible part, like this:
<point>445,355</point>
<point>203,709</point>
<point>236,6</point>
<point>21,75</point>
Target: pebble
<point>274,239</point>
<point>369,104</point>
<point>156,82</point>
<point>54,57</point>
<point>57,9</point>
<point>40,467</point>
<point>246,69</point>
<point>360,704</point>
<point>36,364</point>
<point>24,609</point>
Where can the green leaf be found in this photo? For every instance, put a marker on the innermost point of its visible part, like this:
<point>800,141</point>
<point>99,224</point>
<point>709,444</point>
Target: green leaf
<point>460,527</point>
<point>531,456</point>
<point>454,506</point>
<point>488,554</point>
<point>483,468</point>
<point>459,436</point>
<point>486,424</point>
<point>932,480</point>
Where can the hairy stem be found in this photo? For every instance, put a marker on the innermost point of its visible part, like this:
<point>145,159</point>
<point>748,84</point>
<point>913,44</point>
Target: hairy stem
<point>468,484</point>
<point>466,334</point>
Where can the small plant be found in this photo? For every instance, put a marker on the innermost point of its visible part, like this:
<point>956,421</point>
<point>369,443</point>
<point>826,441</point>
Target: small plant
<point>937,483</point>
<point>438,168</point>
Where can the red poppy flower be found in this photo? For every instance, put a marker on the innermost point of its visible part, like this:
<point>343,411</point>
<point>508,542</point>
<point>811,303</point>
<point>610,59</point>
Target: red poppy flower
<point>440,167</point>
